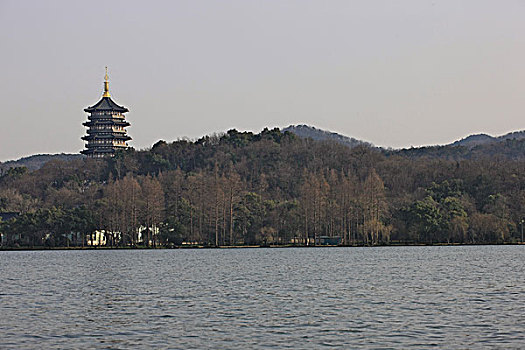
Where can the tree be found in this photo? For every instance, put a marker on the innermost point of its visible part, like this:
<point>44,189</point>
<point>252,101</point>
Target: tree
<point>374,209</point>
<point>425,219</point>
<point>251,211</point>
<point>152,208</point>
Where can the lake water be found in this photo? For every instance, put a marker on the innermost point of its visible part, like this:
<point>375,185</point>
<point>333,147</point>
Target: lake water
<point>294,298</point>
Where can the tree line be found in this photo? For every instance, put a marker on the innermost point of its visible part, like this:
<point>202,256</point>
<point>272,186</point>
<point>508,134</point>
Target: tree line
<point>269,188</point>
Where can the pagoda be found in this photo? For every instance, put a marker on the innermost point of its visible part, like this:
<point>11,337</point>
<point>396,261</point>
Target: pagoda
<point>106,125</point>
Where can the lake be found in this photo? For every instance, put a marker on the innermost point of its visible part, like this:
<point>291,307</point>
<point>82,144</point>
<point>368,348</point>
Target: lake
<point>451,297</point>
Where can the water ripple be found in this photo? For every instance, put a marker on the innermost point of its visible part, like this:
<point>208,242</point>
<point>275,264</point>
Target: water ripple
<point>399,297</point>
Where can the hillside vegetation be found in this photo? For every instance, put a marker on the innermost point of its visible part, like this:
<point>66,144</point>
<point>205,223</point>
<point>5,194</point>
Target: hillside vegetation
<point>306,131</point>
<point>37,161</point>
<point>270,188</point>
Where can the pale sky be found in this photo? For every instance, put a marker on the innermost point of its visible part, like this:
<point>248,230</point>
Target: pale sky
<point>394,73</point>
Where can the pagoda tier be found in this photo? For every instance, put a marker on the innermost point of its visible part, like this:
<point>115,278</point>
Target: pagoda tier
<point>96,136</point>
<point>106,125</point>
<point>117,132</point>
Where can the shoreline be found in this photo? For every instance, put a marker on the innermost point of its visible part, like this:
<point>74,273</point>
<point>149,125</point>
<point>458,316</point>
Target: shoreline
<point>284,246</point>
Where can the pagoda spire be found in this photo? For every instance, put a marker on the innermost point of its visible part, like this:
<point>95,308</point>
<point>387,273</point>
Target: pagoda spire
<point>106,85</point>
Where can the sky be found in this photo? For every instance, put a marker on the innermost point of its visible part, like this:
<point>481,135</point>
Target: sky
<point>395,73</point>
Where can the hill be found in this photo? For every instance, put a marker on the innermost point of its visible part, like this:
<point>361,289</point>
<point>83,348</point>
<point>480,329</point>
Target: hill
<point>306,131</point>
<point>36,161</point>
<point>517,135</point>
<point>510,146</point>
<point>483,139</point>
<point>474,140</point>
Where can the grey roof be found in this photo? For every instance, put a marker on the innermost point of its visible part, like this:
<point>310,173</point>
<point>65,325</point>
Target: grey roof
<point>106,104</point>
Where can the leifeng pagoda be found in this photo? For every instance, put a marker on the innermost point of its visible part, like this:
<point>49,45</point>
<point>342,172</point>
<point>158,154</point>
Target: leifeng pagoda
<point>106,125</point>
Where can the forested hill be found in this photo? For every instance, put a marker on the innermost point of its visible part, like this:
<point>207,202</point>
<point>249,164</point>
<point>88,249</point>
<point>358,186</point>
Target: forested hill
<point>37,161</point>
<point>483,139</point>
<point>510,146</point>
<point>267,188</point>
<point>306,131</point>
<point>474,147</point>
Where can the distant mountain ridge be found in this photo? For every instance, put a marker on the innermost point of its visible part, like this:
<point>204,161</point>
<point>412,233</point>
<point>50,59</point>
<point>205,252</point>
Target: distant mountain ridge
<point>474,140</point>
<point>482,139</point>
<point>470,141</point>
<point>307,131</point>
<point>37,161</point>
<point>511,145</point>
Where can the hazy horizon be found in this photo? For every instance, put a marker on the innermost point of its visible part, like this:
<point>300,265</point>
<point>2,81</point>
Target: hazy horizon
<point>401,74</point>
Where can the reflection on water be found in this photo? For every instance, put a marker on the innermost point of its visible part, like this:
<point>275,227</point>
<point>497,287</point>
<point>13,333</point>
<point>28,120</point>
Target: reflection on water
<point>395,297</point>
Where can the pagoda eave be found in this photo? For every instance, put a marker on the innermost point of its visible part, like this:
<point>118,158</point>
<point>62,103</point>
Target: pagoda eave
<point>106,122</point>
<point>106,104</point>
<point>105,137</point>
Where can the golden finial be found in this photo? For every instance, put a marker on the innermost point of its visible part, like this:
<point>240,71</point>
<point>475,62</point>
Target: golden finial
<point>106,85</point>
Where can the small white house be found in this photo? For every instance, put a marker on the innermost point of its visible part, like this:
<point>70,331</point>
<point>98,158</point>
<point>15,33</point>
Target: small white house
<point>97,238</point>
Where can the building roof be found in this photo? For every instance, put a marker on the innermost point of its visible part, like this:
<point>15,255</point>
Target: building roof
<point>106,104</point>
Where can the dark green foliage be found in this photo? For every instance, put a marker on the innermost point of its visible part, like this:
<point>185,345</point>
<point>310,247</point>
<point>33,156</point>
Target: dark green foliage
<point>172,231</point>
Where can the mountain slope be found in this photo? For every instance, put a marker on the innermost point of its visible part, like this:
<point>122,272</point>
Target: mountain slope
<point>474,140</point>
<point>306,131</point>
<point>483,139</point>
<point>517,135</point>
<point>510,146</point>
<point>36,161</point>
